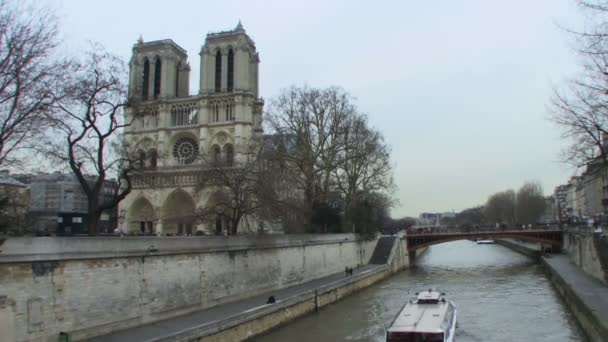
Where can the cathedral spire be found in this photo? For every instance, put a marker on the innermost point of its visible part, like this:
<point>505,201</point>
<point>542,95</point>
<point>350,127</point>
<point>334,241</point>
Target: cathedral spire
<point>239,26</point>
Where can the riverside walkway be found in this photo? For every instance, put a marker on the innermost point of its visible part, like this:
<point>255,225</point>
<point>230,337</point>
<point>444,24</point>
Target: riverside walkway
<point>215,319</point>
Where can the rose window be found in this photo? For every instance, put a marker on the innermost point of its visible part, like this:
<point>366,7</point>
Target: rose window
<point>185,150</point>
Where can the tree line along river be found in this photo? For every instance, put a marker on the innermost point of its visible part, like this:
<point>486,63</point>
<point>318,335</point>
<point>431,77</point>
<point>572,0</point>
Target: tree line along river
<point>500,296</point>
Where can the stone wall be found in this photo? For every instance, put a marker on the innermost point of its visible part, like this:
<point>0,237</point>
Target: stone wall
<point>588,251</point>
<point>399,259</point>
<point>92,286</point>
<point>529,249</point>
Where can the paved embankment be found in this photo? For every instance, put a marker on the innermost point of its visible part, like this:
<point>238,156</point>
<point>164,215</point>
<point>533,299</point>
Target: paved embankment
<point>249,317</point>
<point>586,296</point>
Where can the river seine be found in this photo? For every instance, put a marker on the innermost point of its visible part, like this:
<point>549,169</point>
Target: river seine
<point>500,296</point>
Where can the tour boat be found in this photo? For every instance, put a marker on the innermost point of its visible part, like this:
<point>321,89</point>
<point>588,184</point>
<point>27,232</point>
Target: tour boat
<point>485,242</point>
<point>429,318</point>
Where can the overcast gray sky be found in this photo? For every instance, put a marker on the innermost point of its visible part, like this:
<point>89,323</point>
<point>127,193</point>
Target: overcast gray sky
<point>458,88</point>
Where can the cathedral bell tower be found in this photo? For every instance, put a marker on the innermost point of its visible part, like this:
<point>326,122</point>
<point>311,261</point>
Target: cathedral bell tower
<point>158,70</point>
<point>229,63</point>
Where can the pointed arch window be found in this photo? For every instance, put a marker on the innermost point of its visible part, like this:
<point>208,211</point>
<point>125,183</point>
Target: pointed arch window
<point>218,71</point>
<point>216,154</point>
<point>152,155</point>
<point>157,72</point>
<point>141,159</point>
<point>230,70</point>
<point>146,80</point>
<point>229,150</point>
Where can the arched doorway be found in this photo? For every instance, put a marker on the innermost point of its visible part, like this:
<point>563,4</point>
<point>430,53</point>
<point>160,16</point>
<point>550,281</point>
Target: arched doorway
<point>141,217</point>
<point>219,224</point>
<point>178,214</point>
<point>217,213</point>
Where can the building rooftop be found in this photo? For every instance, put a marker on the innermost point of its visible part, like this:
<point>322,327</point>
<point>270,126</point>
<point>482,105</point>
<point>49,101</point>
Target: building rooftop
<point>141,45</point>
<point>421,317</point>
<point>5,180</point>
<point>238,30</point>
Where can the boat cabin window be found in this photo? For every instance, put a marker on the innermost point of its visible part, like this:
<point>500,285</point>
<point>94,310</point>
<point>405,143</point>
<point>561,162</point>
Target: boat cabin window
<point>414,337</point>
<point>428,301</point>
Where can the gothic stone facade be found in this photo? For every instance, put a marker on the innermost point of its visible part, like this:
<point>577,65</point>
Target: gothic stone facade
<point>173,133</point>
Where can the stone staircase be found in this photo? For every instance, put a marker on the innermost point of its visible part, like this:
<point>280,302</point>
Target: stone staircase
<point>383,250</point>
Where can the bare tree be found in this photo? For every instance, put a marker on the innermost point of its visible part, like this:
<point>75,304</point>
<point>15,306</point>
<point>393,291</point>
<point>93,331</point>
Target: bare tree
<point>530,203</point>
<point>90,119</point>
<point>364,164</point>
<point>466,219</point>
<point>371,213</point>
<point>580,107</point>
<point>500,207</point>
<point>28,75</point>
<point>280,193</point>
<point>14,204</point>
<point>237,185</point>
<point>321,126</point>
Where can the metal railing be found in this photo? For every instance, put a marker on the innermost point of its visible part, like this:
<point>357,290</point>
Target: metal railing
<point>446,230</point>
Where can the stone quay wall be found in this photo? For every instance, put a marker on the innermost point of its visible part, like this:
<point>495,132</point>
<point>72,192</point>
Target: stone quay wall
<point>588,250</point>
<point>522,248</point>
<point>92,286</point>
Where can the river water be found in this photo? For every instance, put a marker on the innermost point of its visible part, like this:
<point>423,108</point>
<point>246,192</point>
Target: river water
<point>500,296</point>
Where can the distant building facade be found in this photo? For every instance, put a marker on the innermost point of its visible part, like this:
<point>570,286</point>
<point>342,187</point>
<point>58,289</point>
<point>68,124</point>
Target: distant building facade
<point>433,219</point>
<point>584,199</point>
<point>57,197</point>
<point>550,214</point>
<point>561,203</point>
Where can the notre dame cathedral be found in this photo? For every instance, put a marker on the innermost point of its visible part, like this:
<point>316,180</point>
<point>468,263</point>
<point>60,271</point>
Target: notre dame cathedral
<point>172,132</point>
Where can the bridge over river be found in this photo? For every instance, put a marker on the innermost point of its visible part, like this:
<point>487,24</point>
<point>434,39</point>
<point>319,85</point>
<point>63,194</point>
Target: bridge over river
<point>501,296</point>
<point>550,237</point>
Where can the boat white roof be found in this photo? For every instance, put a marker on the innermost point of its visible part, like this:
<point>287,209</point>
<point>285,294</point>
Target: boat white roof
<point>421,317</point>
<point>429,295</point>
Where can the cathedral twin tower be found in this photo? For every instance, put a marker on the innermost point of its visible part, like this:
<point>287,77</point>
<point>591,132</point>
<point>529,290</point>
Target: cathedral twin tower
<point>173,133</point>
